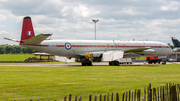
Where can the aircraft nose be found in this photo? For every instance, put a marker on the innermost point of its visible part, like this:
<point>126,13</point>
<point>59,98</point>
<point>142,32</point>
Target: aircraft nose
<point>170,51</point>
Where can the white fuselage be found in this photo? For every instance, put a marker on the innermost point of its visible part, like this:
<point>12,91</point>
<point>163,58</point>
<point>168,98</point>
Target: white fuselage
<point>72,48</point>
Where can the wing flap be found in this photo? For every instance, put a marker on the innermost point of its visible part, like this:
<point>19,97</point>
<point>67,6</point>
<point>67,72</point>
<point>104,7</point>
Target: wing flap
<point>112,55</point>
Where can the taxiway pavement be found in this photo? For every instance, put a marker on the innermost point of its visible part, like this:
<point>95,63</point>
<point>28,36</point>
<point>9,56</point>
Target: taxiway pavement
<point>73,64</point>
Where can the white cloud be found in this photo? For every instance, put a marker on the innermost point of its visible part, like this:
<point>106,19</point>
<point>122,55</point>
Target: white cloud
<point>81,10</point>
<point>171,6</point>
<point>129,11</point>
<point>118,19</point>
<point>2,17</point>
<point>2,26</point>
<point>3,0</point>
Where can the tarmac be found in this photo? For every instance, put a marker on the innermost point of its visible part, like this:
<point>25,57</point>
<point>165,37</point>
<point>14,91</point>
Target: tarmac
<point>73,64</point>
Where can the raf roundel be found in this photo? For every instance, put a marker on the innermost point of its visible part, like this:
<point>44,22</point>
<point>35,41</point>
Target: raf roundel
<point>68,46</point>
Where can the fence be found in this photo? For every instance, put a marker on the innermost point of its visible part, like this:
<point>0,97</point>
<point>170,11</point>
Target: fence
<point>169,92</point>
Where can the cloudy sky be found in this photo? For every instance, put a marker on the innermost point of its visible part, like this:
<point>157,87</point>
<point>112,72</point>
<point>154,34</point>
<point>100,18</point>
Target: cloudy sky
<point>155,20</point>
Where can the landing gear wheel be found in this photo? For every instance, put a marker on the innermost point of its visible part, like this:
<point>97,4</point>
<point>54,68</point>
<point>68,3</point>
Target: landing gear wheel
<point>89,64</point>
<point>83,64</point>
<point>110,63</point>
<point>114,63</point>
<point>86,63</point>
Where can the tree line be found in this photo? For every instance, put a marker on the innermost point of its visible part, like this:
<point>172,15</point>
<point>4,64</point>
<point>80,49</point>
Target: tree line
<point>14,49</point>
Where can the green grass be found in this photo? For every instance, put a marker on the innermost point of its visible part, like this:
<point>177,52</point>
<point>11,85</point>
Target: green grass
<point>15,57</point>
<point>141,58</point>
<point>54,83</point>
<point>18,57</point>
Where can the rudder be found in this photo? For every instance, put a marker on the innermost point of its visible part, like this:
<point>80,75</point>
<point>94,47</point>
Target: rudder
<point>27,29</point>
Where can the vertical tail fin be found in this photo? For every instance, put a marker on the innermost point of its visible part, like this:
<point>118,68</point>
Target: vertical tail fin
<point>175,42</point>
<point>27,29</point>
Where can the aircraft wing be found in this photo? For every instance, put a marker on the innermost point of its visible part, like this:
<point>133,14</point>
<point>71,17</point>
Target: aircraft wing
<point>115,55</point>
<point>137,50</point>
<point>36,39</point>
<point>106,55</point>
<point>15,40</point>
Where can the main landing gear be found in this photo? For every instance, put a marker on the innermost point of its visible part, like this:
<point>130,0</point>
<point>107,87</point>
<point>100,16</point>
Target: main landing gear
<point>114,63</point>
<point>86,62</point>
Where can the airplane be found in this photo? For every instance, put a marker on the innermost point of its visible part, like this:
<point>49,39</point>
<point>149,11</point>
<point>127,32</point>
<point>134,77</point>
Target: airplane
<point>176,44</point>
<point>86,51</point>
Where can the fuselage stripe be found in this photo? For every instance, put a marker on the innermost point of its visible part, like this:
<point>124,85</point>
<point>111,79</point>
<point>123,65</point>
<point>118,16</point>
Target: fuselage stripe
<point>59,45</point>
<point>36,45</point>
<point>100,46</point>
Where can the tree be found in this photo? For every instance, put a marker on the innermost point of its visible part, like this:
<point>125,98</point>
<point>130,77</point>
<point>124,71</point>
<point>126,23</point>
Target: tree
<point>14,49</point>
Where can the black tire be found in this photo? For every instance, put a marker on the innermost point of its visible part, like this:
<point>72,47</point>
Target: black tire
<point>110,63</point>
<point>116,63</point>
<point>83,64</point>
<point>89,64</point>
<point>113,63</point>
<point>149,62</point>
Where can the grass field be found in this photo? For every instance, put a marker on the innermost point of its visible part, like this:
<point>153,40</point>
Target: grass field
<point>54,83</point>
<point>18,57</point>
<point>15,57</point>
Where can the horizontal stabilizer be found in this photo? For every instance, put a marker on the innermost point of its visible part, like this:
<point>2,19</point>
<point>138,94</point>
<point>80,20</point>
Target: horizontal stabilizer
<point>36,39</point>
<point>176,49</point>
<point>12,39</point>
